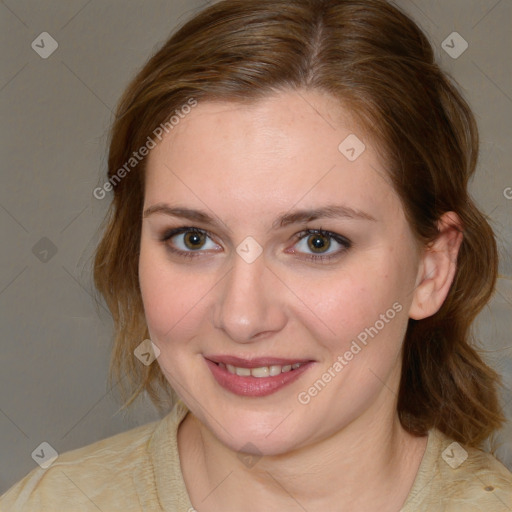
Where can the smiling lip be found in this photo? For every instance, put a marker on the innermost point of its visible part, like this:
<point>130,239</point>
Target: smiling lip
<point>254,363</point>
<point>254,386</point>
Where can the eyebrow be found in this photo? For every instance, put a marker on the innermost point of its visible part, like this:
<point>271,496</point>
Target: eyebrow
<point>327,212</point>
<point>185,213</point>
<point>294,217</point>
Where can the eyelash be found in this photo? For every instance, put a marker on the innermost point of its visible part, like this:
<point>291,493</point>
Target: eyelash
<point>316,258</point>
<point>178,231</point>
<point>319,258</point>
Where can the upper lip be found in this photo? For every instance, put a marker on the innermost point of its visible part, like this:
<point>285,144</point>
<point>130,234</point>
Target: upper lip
<point>256,362</point>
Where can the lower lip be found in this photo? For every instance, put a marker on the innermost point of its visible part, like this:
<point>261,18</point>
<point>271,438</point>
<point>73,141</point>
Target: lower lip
<point>255,386</point>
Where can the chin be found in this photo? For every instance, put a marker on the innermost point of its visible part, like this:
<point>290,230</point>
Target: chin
<point>255,433</point>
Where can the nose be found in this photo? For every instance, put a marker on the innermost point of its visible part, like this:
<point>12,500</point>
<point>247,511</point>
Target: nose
<point>250,304</point>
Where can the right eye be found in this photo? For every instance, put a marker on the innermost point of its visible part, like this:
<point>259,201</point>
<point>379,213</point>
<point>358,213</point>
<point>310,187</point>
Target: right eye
<point>186,240</point>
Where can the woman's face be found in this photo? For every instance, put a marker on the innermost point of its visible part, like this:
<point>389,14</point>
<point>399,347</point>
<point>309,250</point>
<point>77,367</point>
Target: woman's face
<point>285,244</point>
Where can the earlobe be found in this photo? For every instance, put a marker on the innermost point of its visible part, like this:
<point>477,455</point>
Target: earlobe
<point>437,268</point>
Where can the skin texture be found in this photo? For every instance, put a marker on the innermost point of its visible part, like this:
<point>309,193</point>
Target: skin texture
<point>245,165</point>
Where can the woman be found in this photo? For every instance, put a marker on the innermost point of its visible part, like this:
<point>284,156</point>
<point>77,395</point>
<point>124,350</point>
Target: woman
<point>292,230</point>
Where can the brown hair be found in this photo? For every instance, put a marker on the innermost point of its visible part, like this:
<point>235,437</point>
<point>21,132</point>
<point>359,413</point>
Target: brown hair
<point>378,63</point>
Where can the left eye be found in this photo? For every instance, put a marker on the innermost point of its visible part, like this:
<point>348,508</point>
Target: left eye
<point>321,243</point>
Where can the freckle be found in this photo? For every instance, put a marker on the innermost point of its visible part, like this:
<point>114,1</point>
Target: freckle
<point>489,488</point>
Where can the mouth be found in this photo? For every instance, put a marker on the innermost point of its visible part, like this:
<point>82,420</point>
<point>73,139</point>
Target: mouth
<point>256,377</point>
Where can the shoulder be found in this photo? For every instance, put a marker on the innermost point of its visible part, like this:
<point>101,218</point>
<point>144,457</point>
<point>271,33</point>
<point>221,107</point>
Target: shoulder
<point>87,477</point>
<point>480,480</point>
<point>454,477</point>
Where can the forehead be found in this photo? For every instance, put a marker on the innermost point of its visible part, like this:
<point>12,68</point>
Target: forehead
<point>272,153</point>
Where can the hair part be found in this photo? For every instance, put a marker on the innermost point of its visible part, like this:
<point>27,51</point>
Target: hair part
<point>380,66</point>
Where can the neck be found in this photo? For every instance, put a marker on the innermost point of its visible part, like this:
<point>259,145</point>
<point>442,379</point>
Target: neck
<point>352,469</point>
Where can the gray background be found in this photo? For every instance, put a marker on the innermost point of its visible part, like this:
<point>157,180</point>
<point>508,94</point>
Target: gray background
<point>56,112</point>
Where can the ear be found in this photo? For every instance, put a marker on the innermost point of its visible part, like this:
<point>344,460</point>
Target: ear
<point>437,268</point>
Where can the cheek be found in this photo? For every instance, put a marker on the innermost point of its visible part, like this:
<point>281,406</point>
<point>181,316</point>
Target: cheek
<point>155,291</point>
<point>363,300</point>
<point>171,298</point>
<point>177,302</point>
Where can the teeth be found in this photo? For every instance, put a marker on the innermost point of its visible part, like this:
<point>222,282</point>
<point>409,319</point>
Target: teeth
<point>243,372</point>
<point>263,371</point>
<point>275,370</point>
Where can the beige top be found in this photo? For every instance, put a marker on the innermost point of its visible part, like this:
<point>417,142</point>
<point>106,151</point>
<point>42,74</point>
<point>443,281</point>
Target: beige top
<point>139,470</point>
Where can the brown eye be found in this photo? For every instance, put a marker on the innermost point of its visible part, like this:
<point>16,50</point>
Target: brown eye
<point>189,241</point>
<point>194,240</point>
<point>318,243</point>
